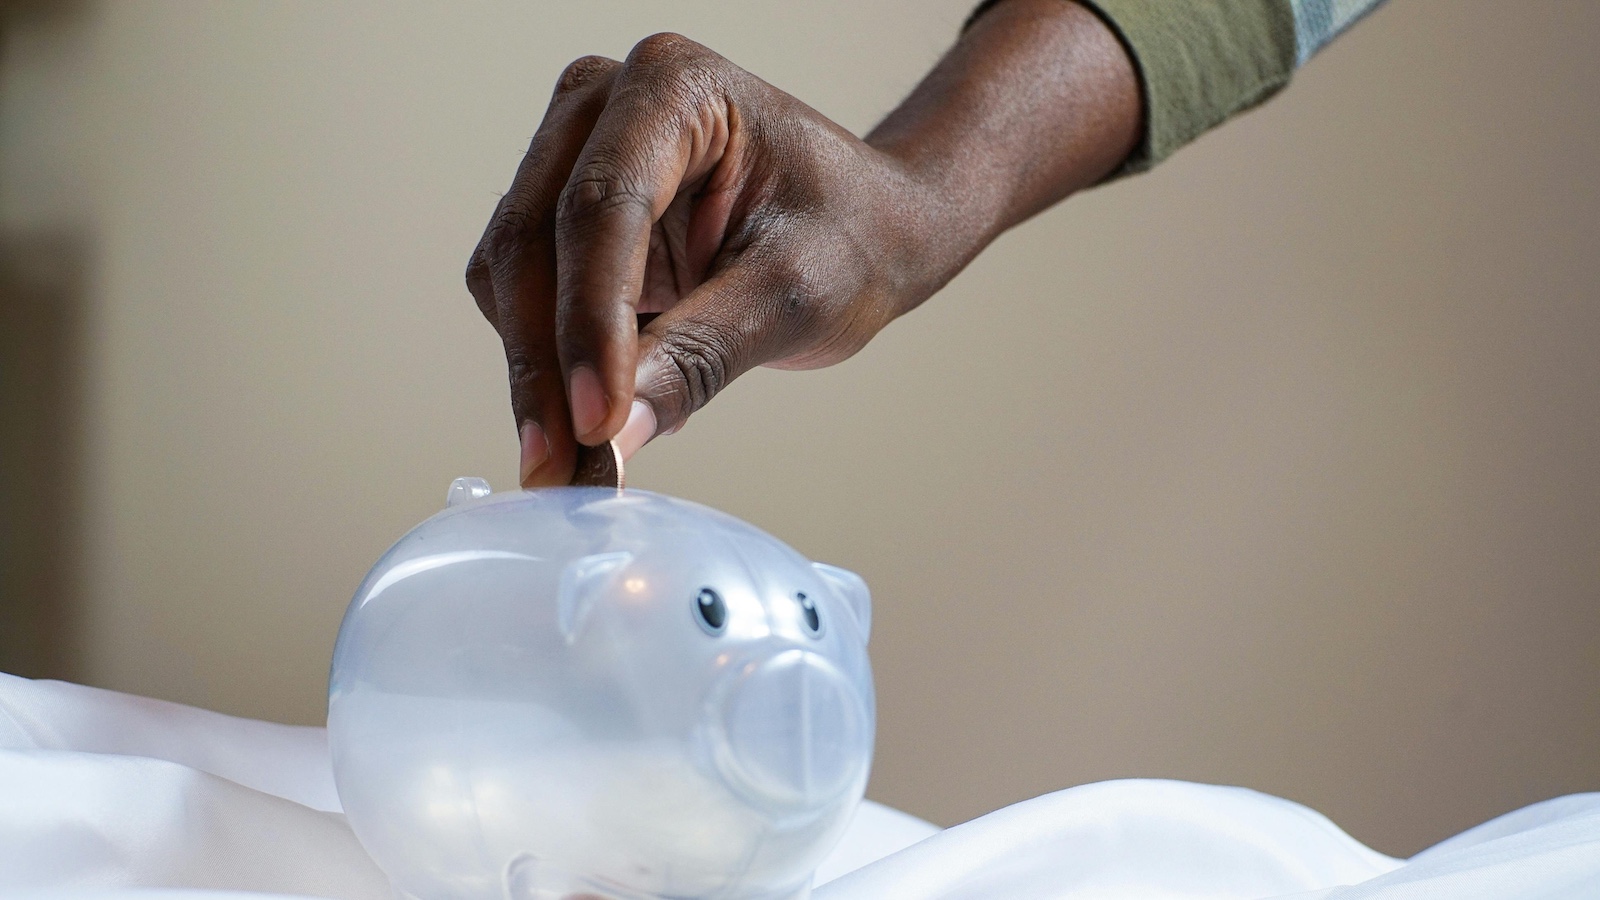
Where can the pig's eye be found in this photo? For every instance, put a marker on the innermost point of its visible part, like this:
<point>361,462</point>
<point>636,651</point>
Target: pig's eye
<point>808,607</point>
<point>710,611</point>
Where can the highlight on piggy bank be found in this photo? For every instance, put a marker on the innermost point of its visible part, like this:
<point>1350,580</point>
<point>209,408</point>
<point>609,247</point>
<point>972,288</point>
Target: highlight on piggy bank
<point>596,692</point>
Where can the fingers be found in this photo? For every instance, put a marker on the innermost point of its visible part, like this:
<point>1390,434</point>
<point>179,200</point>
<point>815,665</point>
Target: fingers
<point>665,126</point>
<point>746,316</point>
<point>512,273</point>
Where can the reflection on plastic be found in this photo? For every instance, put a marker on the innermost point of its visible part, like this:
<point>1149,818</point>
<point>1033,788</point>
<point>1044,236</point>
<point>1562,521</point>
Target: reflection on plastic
<point>581,692</point>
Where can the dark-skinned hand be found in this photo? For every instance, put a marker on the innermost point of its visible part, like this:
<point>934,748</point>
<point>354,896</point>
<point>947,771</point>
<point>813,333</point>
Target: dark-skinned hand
<point>677,220</point>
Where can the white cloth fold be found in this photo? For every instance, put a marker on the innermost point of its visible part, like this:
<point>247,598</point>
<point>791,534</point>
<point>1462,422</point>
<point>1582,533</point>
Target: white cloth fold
<point>108,796</point>
<point>1136,838</point>
<point>283,760</point>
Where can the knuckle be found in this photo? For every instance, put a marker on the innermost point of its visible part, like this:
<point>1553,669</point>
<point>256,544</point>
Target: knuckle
<point>666,48</point>
<point>598,192</point>
<point>584,70</point>
<point>700,363</point>
<point>511,230</point>
<point>523,368</point>
<point>669,69</point>
<point>477,269</point>
<point>479,282</point>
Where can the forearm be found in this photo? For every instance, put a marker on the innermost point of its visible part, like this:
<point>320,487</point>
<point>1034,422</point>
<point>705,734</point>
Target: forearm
<point>1036,101</point>
<point>786,240</point>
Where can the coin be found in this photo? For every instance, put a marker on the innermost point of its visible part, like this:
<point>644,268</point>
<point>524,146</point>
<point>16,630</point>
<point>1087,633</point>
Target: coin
<point>599,466</point>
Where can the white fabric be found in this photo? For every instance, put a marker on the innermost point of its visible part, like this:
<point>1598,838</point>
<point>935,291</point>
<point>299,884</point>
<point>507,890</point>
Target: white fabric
<point>108,796</point>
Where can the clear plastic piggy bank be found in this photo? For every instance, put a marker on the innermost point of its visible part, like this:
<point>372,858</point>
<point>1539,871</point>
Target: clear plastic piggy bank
<point>581,692</point>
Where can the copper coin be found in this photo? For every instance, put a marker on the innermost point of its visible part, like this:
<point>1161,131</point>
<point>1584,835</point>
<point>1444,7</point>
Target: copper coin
<point>599,467</point>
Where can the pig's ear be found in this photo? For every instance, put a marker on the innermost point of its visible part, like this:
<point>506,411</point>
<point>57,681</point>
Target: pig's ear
<point>583,579</point>
<point>852,590</point>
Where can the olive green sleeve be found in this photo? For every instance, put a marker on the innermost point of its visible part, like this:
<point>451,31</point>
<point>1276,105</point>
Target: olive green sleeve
<point>1199,62</point>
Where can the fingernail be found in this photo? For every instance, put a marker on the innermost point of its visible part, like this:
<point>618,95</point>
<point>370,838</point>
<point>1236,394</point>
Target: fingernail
<point>638,431</point>
<point>588,401</point>
<point>535,450</point>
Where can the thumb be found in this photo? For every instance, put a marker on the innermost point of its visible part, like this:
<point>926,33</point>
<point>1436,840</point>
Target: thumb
<point>735,321</point>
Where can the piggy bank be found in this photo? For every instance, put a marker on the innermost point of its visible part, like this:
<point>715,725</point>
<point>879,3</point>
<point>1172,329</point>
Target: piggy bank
<point>586,692</point>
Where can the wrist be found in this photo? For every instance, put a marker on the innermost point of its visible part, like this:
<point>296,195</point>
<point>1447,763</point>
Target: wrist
<point>943,212</point>
<point>1037,100</point>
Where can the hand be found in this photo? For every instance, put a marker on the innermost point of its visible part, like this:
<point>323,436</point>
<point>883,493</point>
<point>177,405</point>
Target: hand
<point>677,184</point>
<point>677,221</point>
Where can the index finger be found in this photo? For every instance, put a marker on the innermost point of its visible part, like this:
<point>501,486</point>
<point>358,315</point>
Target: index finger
<point>513,271</point>
<point>665,126</point>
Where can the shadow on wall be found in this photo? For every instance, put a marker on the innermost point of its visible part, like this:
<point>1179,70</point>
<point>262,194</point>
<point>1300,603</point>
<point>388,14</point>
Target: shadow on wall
<point>42,288</point>
<point>43,313</point>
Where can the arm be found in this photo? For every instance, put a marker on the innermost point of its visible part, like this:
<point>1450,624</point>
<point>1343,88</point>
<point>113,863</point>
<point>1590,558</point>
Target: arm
<point>758,232</point>
<point>677,221</point>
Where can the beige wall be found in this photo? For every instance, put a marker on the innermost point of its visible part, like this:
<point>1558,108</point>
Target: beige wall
<point>1279,467</point>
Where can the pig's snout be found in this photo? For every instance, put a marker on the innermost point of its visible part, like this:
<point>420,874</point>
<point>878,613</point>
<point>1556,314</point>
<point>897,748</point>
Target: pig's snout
<point>792,731</point>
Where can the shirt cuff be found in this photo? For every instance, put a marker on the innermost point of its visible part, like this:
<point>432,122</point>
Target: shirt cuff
<point>1199,62</point>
